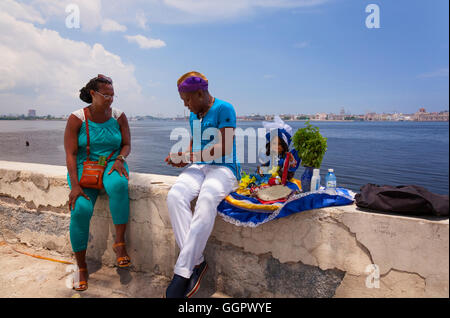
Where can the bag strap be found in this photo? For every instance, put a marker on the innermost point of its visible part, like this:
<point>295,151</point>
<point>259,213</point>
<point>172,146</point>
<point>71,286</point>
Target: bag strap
<point>88,148</point>
<point>109,157</point>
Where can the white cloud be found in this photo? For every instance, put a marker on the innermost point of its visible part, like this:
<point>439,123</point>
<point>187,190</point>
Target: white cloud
<point>46,71</point>
<point>144,42</point>
<point>21,11</point>
<point>443,72</point>
<point>109,25</point>
<point>42,69</point>
<point>209,10</point>
<point>141,13</point>
<point>145,12</point>
<point>90,11</point>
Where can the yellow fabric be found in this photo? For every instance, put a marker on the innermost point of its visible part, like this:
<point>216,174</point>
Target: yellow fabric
<point>297,182</point>
<point>251,206</point>
<point>243,190</point>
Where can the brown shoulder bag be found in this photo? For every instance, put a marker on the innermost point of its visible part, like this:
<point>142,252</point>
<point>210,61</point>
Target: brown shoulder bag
<point>92,175</point>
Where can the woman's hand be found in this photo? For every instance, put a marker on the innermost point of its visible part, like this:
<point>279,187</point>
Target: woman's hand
<point>74,194</point>
<point>177,160</point>
<point>120,168</point>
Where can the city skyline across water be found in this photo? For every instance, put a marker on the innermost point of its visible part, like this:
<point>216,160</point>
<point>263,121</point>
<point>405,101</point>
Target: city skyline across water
<point>421,115</point>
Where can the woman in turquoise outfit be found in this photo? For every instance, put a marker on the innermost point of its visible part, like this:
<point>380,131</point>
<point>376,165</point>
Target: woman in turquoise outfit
<point>108,132</point>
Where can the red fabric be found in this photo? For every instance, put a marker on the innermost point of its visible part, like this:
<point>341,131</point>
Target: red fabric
<point>286,168</point>
<point>271,202</point>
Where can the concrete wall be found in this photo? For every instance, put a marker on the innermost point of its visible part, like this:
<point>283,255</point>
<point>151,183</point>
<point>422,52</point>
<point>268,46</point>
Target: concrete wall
<point>318,253</point>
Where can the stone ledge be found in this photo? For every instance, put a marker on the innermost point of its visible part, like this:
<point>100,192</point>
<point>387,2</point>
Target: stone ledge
<point>325,252</point>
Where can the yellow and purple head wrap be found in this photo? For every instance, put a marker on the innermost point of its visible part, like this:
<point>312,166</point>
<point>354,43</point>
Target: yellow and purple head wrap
<point>192,84</point>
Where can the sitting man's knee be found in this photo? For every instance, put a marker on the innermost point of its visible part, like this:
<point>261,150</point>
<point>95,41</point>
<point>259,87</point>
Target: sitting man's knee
<point>174,194</point>
<point>178,189</point>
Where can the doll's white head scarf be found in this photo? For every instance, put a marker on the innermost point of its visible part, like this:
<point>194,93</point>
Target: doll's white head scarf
<point>284,130</point>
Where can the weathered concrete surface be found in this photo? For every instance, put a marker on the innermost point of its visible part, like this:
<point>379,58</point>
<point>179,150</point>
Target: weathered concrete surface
<point>318,253</point>
<point>40,216</point>
<point>411,253</point>
<point>244,274</point>
<point>25,276</point>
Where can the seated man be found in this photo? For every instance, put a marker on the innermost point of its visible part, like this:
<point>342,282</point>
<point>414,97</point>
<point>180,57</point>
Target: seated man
<point>212,175</point>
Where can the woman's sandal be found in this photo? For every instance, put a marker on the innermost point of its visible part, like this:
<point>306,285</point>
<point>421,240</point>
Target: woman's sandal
<point>123,261</point>
<point>83,285</point>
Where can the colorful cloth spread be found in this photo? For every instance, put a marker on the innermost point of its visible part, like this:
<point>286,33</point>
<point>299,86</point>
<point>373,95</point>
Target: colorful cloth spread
<point>247,211</point>
<point>244,207</point>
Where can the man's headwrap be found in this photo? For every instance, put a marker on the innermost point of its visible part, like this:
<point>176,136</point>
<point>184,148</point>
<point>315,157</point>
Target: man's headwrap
<point>192,84</point>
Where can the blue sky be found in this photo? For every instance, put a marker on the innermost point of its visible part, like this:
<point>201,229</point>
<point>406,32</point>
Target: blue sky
<point>267,56</point>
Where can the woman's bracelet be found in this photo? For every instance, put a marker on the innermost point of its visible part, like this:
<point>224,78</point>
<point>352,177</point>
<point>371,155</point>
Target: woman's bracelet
<point>121,158</point>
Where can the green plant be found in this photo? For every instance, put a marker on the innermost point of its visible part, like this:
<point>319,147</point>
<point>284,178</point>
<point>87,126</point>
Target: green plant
<point>310,145</point>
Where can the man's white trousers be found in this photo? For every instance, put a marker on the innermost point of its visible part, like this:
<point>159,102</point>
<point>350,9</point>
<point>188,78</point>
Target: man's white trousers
<point>211,184</point>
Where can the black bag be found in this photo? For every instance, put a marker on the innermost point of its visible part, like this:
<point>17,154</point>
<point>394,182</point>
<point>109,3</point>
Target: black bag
<point>409,199</point>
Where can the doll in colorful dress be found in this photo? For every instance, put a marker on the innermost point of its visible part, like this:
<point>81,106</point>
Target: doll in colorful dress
<point>281,162</point>
<point>278,138</point>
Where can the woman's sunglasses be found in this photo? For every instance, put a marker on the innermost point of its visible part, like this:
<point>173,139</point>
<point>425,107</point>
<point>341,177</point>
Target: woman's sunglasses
<point>103,79</point>
<point>106,96</point>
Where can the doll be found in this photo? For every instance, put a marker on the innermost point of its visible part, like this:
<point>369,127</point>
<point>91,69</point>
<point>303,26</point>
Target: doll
<point>278,140</point>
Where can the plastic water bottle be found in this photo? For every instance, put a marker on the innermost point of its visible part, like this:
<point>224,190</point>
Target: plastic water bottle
<point>330,182</point>
<point>315,180</point>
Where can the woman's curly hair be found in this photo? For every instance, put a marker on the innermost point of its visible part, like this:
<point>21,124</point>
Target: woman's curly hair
<point>85,92</point>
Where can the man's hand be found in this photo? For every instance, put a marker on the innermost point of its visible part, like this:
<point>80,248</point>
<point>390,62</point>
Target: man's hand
<point>178,160</point>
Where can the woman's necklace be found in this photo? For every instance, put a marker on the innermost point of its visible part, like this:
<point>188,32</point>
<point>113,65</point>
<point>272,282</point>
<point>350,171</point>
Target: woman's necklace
<point>202,114</point>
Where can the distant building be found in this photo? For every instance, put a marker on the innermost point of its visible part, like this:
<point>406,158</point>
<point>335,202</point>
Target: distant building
<point>423,115</point>
<point>32,113</point>
<point>371,116</point>
<point>302,117</point>
<point>321,116</point>
<point>336,117</point>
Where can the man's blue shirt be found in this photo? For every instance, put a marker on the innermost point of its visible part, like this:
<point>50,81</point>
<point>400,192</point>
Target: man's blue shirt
<point>204,133</point>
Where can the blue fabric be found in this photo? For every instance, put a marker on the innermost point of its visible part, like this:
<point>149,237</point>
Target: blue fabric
<point>283,134</point>
<point>299,203</point>
<point>104,138</point>
<point>220,115</point>
<point>116,187</point>
<point>292,167</point>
